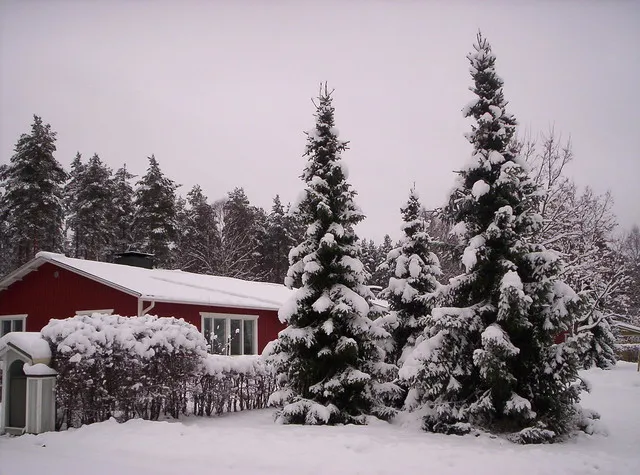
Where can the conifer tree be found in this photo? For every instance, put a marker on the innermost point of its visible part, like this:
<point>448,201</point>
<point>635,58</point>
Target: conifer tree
<point>275,242</point>
<point>73,232</point>
<point>93,206</point>
<point>32,197</point>
<point>327,359</point>
<point>381,272</point>
<point>199,241</point>
<point>489,358</point>
<point>123,208</point>
<point>411,291</point>
<point>155,215</point>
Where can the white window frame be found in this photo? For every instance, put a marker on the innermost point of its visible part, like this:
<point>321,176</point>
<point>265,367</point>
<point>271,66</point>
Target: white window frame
<point>227,318</point>
<point>21,316</point>
<point>106,311</point>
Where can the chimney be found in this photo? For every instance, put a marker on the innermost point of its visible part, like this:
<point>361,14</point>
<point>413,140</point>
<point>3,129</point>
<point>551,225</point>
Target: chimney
<point>135,259</point>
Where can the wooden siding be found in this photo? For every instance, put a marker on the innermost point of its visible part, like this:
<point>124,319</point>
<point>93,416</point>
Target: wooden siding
<point>268,323</point>
<point>53,292</point>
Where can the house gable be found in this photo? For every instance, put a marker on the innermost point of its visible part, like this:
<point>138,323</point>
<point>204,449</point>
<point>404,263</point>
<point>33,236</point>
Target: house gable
<point>51,291</point>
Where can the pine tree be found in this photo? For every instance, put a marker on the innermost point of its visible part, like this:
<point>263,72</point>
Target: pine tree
<point>411,292</point>
<point>32,201</point>
<point>72,188</point>
<point>155,215</point>
<point>94,211</point>
<point>381,272</point>
<point>124,210</point>
<point>327,359</point>
<point>200,241</point>
<point>275,241</point>
<point>489,358</point>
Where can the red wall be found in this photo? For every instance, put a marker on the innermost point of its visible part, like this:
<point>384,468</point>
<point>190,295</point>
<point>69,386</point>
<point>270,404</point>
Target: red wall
<point>42,296</point>
<point>268,323</point>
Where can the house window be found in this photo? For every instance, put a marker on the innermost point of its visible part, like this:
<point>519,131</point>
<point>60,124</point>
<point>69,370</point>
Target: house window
<point>12,323</point>
<point>107,311</point>
<point>230,334</point>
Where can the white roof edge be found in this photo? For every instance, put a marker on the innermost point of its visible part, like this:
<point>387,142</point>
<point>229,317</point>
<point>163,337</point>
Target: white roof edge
<point>21,271</point>
<point>50,257</point>
<point>151,298</point>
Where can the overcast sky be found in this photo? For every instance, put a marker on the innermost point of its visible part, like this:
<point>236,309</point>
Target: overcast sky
<point>220,91</point>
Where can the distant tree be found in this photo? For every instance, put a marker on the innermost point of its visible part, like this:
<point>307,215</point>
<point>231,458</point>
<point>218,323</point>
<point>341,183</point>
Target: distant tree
<point>237,225</point>
<point>630,251</point>
<point>124,209</point>
<point>327,360</point>
<point>155,215</point>
<point>73,231</point>
<point>580,226</point>
<point>411,291</point>
<point>444,244</point>
<point>380,272</point>
<point>276,239</point>
<point>32,201</point>
<point>199,241</point>
<point>93,217</point>
<point>489,357</point>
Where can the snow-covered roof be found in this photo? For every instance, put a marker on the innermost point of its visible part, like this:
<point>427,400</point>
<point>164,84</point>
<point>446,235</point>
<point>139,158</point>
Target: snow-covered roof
<point>162,285</point>
<point>30,343</point>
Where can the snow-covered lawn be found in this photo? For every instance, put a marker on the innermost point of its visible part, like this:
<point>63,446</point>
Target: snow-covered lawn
<point>250,443</point>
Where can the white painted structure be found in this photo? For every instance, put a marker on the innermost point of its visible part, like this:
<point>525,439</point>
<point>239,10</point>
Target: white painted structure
<point>28,384</point>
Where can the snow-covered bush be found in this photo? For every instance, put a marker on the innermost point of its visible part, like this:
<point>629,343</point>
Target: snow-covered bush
<point>232,383</point>
<point>126,366</point>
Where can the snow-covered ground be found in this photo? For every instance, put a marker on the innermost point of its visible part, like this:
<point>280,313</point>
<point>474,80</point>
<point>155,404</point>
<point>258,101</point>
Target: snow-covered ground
<point>250,443</point>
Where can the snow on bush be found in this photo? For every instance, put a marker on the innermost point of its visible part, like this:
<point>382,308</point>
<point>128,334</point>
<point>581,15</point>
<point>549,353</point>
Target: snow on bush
<point>110,365</point>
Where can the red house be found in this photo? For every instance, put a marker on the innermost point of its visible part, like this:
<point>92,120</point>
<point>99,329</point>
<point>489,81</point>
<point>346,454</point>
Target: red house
<point>239,312</point>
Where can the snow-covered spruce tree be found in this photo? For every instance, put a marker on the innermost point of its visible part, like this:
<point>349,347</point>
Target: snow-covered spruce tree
<point>94,211</point>
<point>411,289</point>
<point>490,360</point>
<point>275,239</point>
<point>199,238</point>
<point>123,206</point>
<point>31,204</point>
<point>71,190</point>
<point>155,214</point>
<point>329,366</point>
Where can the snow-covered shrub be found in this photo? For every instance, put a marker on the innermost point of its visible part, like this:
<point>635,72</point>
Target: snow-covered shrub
<point>126,366</point>
<point>232,383</point>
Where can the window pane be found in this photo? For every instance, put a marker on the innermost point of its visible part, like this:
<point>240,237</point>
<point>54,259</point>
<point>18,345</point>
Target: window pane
<point>6,327</point>
<point>219,343</point>
<point>17,326</point>
<point>236,348</point>
<point>249,327</point>
<point>206,331</point>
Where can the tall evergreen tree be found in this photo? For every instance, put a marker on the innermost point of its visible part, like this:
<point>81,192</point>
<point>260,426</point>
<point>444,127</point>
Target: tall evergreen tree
<point>94,211</point>
<point>327,358</point>
<point>381,272</point>
<point>155,215</point>
<point>123,208</point>
<point>275,242</point>
<point>200,241</point>
<point>72,188</point>
<point>411,291</point>
<point>489,358</point>
<point>32,197</point>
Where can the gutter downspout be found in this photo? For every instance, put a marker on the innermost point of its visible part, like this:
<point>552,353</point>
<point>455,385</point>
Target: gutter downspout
<point>146,310</point>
